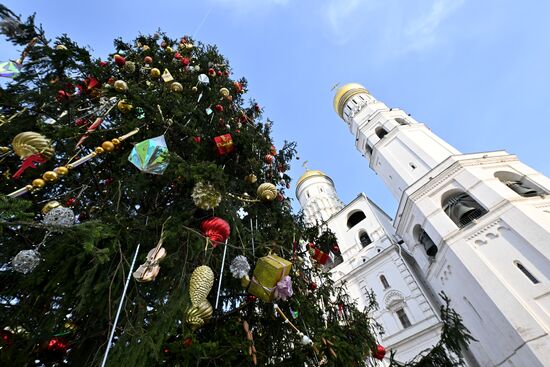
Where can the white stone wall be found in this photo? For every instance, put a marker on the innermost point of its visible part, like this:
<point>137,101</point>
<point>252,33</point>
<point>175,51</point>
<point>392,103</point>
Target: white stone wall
<point>362,269</point>
<point>476,265</point>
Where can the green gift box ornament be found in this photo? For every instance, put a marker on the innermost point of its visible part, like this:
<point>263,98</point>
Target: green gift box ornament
<point>268,272</point>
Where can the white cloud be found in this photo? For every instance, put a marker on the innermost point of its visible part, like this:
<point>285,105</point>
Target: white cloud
<point>394,26</point>
<point>423,31</point>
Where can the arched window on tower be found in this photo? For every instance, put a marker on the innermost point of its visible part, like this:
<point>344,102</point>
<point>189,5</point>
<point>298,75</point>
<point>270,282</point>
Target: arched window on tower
<point>401,121</point>
<point>462,208</point>
<point>355,218</point>
<point>519,184</point>
<point>384,282</point>
<point>526,272</point>
<point>380,132</point>
<point>425,240</point>
<point>364,239</point>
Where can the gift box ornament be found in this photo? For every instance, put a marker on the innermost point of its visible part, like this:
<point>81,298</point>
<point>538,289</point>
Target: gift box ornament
<point>268,272</point>
<point>224,144</point>
<point>320,256</point>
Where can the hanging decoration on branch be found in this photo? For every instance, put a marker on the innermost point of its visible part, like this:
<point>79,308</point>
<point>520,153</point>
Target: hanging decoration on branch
<point>200,284</point>
<point>216,229</point>
<point>33,148</point>
<point>148,271</point>
<point>224,144</point>
<point>268,272</point>
<point>9,69</point>
<point>379,352</point>
<point>52,176</point>
<point>25,261</point>
<point>150,156</point>
<point>205,196</point>
<point>239,267</point>
<point>251,347</point>
<point>267,191</point>
<point>57,215</point>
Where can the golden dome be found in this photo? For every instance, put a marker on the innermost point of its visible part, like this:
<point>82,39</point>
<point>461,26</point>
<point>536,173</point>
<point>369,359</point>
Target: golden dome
<point>344,93</point>
<point>309,173</point>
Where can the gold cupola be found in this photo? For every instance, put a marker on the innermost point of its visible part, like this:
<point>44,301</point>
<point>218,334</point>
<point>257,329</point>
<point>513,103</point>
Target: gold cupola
<point>309,173</point>
<point>344,94</point>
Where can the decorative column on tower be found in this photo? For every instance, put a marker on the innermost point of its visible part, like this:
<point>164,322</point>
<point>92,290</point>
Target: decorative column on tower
<point>317,196</point>
<point>399,149</point>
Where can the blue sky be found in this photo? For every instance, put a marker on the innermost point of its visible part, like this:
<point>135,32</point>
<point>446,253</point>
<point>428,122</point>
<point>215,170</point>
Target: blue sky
<point>476,72</point>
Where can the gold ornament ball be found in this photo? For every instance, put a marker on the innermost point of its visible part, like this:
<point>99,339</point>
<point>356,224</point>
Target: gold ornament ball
<point>61,171</point>
<point>267,191</point>
<point>124,106</point>
<point>108,146</point>
<point>169,49</point>
<point>120,86</point>
<point>155,73</point>
<point>99,150</point>
<point>115,141</point>
<point>49,206</point>
<point>38,183</point>
<point>61,47</point>
<point>50,176</point>
<point>194,89</point>
<point>189,45</point>
<point>176,87</point>
<point>224,92</point>
<point>251,178</point>
<point>145,48</point>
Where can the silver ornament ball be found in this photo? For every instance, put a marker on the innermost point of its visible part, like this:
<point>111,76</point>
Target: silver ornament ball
<point>59,216</point>
<point>25,261</point>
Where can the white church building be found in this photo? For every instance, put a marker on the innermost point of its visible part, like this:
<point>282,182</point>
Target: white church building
<point>476,226</point>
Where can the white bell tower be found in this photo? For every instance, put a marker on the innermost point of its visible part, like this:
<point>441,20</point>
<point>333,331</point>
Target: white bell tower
<point>400,150</point>
<point>317,196</point>
<point>477,225</point>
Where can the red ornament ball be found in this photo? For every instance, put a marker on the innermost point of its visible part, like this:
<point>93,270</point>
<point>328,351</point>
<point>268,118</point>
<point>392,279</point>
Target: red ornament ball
<point>177,55</point>
<point>197,139</point>
<point>102,64</point>
<point>71,201</point>
<point>211,72</point>
<point>336,248</point>
<point>273,150</point>
<point>226,73</point>
<point>219,73</point>
<point>216,229</point>
<point>218,108</point>
<point>380,352</point>
<point>312,286</point>
<point>184,61</point>
<point>7,337</point>
<point>268,158</point>
<point>187,342</point>
<point>251,298</point>
<point>120,60</point>
<point>57,345</point>
<point>148,60</point>
<point>238,87</point>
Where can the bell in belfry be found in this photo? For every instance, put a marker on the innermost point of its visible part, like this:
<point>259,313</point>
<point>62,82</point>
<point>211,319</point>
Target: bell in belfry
<point>522,189</point>
<point>429,245</point>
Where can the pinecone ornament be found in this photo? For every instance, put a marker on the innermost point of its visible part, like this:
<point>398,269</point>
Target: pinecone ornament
<point>200,285</point>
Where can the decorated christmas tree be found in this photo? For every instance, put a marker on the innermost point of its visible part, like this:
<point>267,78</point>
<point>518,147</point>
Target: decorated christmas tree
<point>143,213</point>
